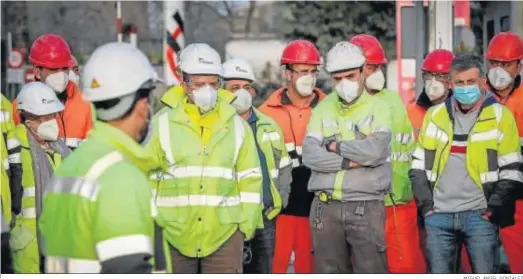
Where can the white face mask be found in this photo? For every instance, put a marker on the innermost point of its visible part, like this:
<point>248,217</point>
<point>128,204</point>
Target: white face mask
<point>57,81</point>
<point>434,89</point>
<point>205,98</point>
<point>74,77</point>
<point>375,81</point>
<point>348,90</point>
<point>48,130</point>
<point>499,78</point>
<point>305,85</point>
<point>243,101</point>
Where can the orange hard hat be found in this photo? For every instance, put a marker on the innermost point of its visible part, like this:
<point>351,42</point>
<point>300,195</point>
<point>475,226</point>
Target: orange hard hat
<point>50,51</point>
<point>505,47</point>
<point>300,52</point>
<point>372,49</point>
<point>438,61</point>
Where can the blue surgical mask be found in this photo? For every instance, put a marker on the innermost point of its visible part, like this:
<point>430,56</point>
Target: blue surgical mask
<point>467,95</point>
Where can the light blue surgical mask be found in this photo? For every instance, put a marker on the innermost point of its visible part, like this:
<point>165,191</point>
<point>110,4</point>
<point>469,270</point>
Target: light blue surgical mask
<point>468,94</point>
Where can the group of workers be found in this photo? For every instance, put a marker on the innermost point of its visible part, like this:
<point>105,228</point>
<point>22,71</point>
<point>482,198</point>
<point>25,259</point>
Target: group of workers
<point>351,181</point>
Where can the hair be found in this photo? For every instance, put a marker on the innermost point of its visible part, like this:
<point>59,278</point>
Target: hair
<point>465,62</point>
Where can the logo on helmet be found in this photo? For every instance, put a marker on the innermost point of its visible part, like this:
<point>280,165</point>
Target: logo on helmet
<point>241,70</point>
<point>94,84</point>
<point>46,101</point>
<point>203,61</point>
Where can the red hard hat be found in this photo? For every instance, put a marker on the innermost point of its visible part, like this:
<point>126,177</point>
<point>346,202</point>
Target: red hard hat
<point>300,52</point>
<point>73,63</point>
<point>505,47</point>
<point>372,49</point>
<point>438,61</point>
<point>50,51</point>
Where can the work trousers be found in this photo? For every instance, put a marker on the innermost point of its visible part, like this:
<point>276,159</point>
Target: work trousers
<point>447,232</point>
<point>401,236</point>
<point>512,240</point>
<point>259,251</point>
<point>293,234</point>
<point>227,259</point>
<point>342,231</point>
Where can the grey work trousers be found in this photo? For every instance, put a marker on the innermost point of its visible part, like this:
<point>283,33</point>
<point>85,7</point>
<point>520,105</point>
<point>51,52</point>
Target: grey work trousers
<point>348,236</point>
<point>227,259</point>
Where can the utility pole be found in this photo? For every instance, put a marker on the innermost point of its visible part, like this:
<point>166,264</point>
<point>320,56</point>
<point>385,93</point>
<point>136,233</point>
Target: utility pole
<point>441,25</point>
<point>119,35</point>
<point>420,42</point>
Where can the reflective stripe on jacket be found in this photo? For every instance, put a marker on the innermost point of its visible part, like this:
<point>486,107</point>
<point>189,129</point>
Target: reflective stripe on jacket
<point>99,207</point>
<point>270,140</point>
<point>75,121</point>
<point>493,156</point>
<point>205,192</point>
<point>362,132</point>
<point>401,147</point>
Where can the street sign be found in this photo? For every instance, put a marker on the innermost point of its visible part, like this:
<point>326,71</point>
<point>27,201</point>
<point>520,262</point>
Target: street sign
<point>29,75</point>
<point>16,59</point>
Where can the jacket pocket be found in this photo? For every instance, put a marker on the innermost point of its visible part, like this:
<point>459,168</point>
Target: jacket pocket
<point>173,201</point>
<point>230,215</point>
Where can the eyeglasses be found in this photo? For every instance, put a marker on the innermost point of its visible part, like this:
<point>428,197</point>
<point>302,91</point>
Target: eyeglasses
<point>439,77</point>
<point>305,72</point>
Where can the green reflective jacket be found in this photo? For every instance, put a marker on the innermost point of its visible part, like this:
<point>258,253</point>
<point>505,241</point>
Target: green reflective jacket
<point>402,145</point>
<point>205,193</point>
<point>99,204</point>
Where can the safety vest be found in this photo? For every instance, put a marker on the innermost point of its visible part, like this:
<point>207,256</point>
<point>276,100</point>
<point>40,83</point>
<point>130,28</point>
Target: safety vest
<point>205,193</point>
<point>401,147</point>
<point>99,205</point>
<point>333,119</point>
<point>492,144</point>
<point>5,191</point>
<point>75,121</point>
<point>270,140</point>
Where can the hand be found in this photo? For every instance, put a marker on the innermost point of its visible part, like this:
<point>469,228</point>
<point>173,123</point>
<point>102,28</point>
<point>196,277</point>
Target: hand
<point>353,164</point>
<point>332,146</point>
<point>486,215</point>
<point>429,213</point>
<point>371,136</point>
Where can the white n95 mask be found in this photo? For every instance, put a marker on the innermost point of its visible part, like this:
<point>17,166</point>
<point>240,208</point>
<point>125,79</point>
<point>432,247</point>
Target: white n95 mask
<point>48,130</point>
<point>57,81</point>
<point>375,81</point>
<point>205,98</point>
<point>74,77</point>
<point>305,85</point>
<point>434,89</point>
<point>243,101</point>
<point>499,78</point>
<point>348,90</point>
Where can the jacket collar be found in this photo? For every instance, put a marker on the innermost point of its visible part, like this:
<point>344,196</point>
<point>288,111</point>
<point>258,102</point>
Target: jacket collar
<point>280,98</point>
<point>133,151</point>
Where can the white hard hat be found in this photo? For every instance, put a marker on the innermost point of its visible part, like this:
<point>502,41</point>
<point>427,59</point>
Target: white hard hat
<point>200,59</point>
<point>39,99</point>
<point>238,68</point>
<point>115,70</point>
<point>344,56</point>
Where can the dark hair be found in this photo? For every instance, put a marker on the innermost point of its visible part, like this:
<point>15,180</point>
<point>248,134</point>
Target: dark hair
<point>465,62</point>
